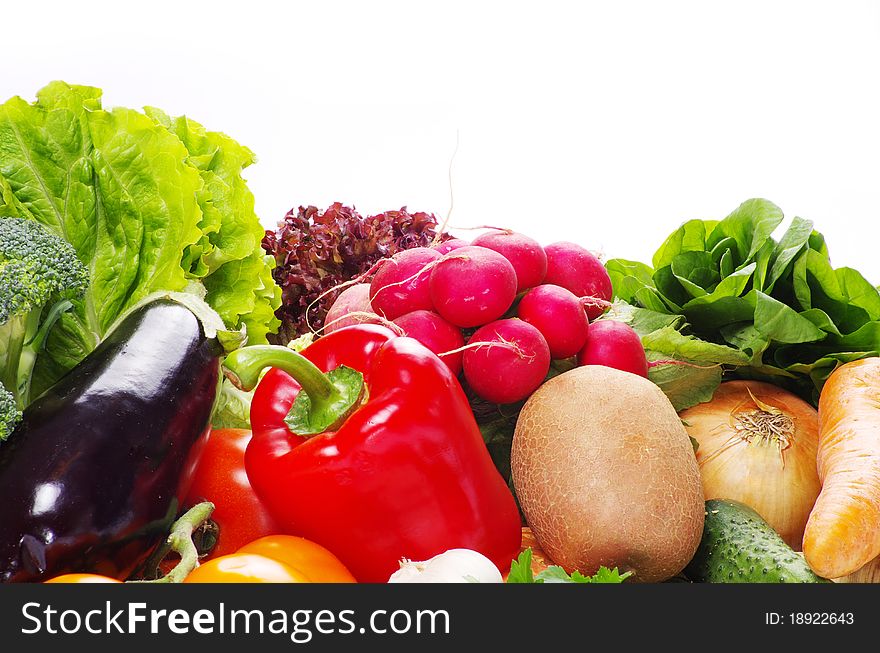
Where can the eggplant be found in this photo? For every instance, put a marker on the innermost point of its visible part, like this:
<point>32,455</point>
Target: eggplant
<point>93,475</point>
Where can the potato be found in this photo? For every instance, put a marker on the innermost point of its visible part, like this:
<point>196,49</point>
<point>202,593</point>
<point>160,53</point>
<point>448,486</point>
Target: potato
<point>606,475</point>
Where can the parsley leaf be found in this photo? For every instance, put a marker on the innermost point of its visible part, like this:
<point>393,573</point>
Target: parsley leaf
<point>521,569</point>
<point>521,572</point>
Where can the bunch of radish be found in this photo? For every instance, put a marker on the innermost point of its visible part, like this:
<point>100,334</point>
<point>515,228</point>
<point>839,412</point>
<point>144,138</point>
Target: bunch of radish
<point>498,310</point>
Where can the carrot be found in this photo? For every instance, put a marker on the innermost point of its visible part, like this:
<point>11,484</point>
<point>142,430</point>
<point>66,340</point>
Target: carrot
<point>843,530</point>
<point>870,573</point>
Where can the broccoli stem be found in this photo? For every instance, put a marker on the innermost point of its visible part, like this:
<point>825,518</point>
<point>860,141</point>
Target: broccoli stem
<point>12,338</point>
<point>26,362</point>
<point>21,338</point>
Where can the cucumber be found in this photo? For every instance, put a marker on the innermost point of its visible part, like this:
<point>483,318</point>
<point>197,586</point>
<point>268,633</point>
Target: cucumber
<point>738,546</point>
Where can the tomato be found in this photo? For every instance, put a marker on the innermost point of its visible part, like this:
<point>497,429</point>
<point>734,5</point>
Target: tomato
<point>82,578</point>
<point>274,559</point>
<point>220,478</point>
<point>244,568</point>
<point>310,558</point>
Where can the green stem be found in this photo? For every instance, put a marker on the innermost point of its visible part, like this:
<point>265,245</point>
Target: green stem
<point>37,334</point>
<point>181,542</point>
<point>12,337</point>
<point>325,400</point>
<point>244,366</point>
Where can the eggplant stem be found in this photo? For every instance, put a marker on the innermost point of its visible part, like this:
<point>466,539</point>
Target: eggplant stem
<point>180,540</point>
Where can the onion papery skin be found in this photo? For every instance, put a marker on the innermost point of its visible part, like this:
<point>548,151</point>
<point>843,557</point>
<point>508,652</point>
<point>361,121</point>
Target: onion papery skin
<point>748,455</point>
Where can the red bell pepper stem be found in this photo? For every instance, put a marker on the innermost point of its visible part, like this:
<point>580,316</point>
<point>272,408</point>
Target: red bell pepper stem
<point>325,399</point>
<point>244,366</point>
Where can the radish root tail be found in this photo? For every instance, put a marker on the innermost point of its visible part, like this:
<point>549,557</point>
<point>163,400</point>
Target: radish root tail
<point>504,344</point>
<point>366,318</point>
<point>424,269</point>
<point>442,228</point>
<point>339,288</point>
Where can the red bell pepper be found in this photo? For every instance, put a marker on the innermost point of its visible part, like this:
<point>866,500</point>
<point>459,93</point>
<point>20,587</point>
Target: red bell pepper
<point>381,459</point>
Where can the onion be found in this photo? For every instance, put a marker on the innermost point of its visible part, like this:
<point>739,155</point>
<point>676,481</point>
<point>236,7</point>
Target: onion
<point>757,445</point>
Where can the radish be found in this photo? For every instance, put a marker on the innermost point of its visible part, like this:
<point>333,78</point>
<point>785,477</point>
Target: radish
<point>400,284</point>
<point>472,285</point>
<point>354,299</point>
<point>614,344</point>
<point>448,245</point>
<point>436,334</point>
<point>573,267</point>
<point>526,255</point>
<point>559,315</point>
<point>506,361</point>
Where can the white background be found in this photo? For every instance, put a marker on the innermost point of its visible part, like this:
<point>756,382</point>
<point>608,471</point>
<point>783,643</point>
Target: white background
<point>603,123</point>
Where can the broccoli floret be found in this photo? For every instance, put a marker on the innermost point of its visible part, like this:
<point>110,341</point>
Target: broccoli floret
<point>39,276</point>
<point>9,413</point>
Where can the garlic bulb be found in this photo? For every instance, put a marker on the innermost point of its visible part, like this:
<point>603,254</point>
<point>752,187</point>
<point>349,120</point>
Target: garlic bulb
<point>453,566</point>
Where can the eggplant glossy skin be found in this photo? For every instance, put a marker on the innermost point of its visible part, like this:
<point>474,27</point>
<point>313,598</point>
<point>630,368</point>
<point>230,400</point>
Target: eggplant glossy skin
<point>93,475</point>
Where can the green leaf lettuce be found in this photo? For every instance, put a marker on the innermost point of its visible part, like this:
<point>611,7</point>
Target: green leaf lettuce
<point>724,299</point>
<point>150,203</point>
